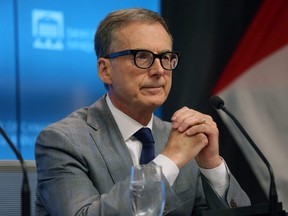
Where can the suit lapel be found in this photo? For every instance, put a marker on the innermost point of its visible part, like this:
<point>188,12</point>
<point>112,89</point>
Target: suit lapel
<point>109,140</point>
<point>110,143</point>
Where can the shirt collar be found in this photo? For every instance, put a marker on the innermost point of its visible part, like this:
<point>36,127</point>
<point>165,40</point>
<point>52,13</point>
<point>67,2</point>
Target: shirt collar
<point>126,124</point>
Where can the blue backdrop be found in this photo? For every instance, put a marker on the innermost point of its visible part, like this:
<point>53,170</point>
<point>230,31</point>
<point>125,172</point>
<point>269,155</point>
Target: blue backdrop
<point>47,63</point>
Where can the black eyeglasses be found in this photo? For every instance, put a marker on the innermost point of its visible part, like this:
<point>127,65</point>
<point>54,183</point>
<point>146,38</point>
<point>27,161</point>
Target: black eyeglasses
<point>144,58</point>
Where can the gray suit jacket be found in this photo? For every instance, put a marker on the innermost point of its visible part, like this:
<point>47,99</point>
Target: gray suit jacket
<point>83,167</point>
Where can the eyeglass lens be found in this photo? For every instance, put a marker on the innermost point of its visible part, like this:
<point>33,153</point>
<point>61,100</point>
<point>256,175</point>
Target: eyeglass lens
<point>144,59</point>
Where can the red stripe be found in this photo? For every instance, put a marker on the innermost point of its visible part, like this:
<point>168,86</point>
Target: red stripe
<point>267,32</point>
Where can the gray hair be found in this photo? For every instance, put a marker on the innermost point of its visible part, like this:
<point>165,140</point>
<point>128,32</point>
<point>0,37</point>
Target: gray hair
<point>104,36</point>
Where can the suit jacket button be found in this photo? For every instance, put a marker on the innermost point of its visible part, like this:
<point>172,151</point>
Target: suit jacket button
<point>233,204</point>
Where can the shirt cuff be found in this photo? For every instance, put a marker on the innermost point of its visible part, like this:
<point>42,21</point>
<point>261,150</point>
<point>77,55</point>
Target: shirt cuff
<point>218,177</point>
<point>169,168</point>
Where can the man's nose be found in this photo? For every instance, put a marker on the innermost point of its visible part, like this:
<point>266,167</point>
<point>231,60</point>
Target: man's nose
<point>156,67</point>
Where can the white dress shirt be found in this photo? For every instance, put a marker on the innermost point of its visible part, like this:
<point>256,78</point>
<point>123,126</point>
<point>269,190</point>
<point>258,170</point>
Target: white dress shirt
<point>218,176</point>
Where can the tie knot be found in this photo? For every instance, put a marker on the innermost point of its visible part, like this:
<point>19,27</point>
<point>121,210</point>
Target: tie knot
<point>144,135</point>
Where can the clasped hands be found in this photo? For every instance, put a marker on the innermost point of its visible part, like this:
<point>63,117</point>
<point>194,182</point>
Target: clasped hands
<point>193,135</point>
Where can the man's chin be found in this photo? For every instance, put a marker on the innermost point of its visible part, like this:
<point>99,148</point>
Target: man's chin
<point>155,103</point>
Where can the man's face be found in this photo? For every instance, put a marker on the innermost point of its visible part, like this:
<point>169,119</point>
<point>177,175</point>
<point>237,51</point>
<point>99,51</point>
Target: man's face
<point>132,89</point>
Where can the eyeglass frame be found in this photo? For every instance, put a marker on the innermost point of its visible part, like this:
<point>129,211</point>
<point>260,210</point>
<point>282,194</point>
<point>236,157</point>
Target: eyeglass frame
<point>134,53</point>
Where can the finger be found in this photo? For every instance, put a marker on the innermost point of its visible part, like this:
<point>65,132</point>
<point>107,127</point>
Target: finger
<point>185,118</point>
<point>182,148</point>
<point>202,128</point>
<point>206,119</point>
<point>190,122</point>
<point>196,119</point>
<point>180,115</point>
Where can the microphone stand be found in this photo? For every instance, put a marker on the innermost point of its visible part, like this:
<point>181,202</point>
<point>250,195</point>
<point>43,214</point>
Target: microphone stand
<point>273,197</point>
<point>218,103</point>
<point>25,191</point>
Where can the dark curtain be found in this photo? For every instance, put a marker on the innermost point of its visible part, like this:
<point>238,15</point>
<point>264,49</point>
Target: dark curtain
<point>207,32</point>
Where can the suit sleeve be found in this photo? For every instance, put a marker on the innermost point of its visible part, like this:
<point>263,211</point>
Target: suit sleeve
<point>235,196</point>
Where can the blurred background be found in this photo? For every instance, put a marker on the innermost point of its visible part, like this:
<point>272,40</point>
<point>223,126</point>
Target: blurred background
<point>236,49</point>
<point>48,66</point>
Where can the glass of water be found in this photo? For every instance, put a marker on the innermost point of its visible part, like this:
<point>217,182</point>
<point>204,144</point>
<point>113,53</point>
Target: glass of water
<point>147,191</point>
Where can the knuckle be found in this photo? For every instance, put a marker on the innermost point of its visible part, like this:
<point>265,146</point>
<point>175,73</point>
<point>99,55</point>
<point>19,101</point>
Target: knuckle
<point>202,138</point>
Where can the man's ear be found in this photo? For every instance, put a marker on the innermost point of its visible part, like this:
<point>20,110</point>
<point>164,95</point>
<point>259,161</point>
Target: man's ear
<point>104,70</point>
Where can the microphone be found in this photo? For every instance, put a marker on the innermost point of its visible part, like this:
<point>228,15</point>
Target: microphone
<point>25,191</point>
<point>218,103</point>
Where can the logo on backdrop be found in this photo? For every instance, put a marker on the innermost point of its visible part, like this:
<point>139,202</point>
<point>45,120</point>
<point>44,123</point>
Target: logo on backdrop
<point>48,29</point>
<point>50,33</point>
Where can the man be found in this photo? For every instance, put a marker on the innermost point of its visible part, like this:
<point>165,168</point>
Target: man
<point>83,161</point>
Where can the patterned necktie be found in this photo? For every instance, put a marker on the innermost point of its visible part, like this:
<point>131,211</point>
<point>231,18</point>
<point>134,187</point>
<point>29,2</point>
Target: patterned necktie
<point>145,136</point>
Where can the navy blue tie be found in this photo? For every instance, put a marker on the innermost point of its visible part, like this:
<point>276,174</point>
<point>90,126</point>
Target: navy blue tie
<point>145,136</point>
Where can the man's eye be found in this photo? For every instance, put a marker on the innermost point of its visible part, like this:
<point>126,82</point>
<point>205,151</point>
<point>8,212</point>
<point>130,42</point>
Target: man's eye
<point>166,57</point>
<point>143,55</point>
